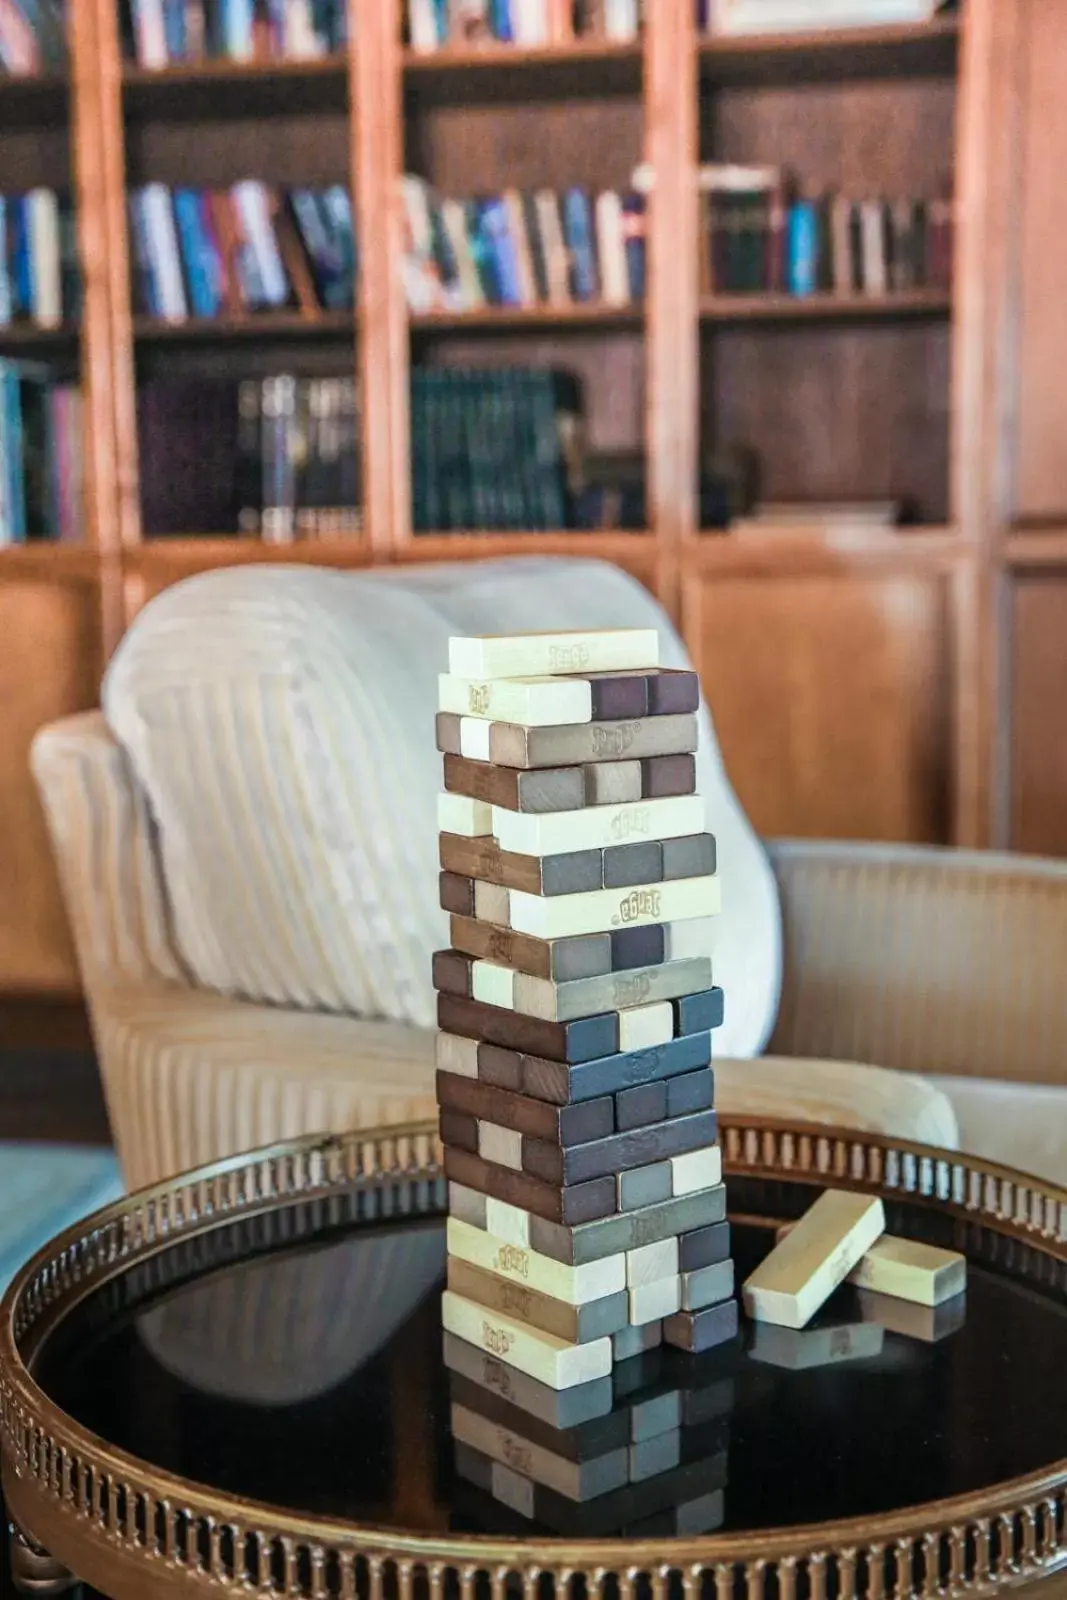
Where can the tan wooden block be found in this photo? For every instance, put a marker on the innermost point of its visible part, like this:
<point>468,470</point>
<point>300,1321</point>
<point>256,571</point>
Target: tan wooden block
<point>929,1324</point>
<point>494,985</point>
<point>502,1145</point>
<point>542,1356</point>
<point>538,654</point>
<point>597,827</point>
<point>643,1027</point>
<point>531,702</point>
<point>492,903</point>
<point>578,1324</point>
<point>612,783</point>
<point>611,991</point>
<point>453,1053</point>
<point>650,1302</point>
<point>576,1480</point>
<point>574,744</point>
<point>697,1169</point>
<point>908,1270</point>
<point>458,813</point>
<point>651,1262</point>
<point>805,1268</point>
<point>473,739</point>
<point>602,910</point>
<point>467,1204</point>
<point>506,1222</point>
<point>576,1285</point>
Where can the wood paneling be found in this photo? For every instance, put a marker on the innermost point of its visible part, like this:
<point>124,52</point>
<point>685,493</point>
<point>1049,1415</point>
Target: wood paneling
<point>1039,714</point>
<point>829,692</point>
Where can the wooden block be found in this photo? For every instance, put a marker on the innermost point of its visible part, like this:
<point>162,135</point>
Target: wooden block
<point>582,1040</point>
<point>696,1331</point>
<point>614,991</point>
<point>697,1013</point>
<point>550,789</point>
<point>619,1151</point>
<point>580,1324</point>
<point>452,972</point>
<point>703,1247</point>
<point>637,1108</point>
<point>473,739</point>
<point>448,736</point>
<point>551,1361</point>
<point>614,783</point>
<point>594,827</point>
<point>627,864</point>
<point>650,1262</point>
<point>563,1409</point>
<point>565,1085</point>
<point>457,1129</point>
<point>691,857</point>
<point>585,1441</point>
<point>658,1454</point>
<point>643,1027</point>
<point>540,654</point>
<point>671,691</point>
<point>692,1091</point>
<point>693,937</point>
<point>494,985</point>
<point>517,1263</point>
<point>576,1480</point>
<point>456,894</point>
<point>604,909</point>
<point>468,1205</point>
<point>707,1286</point>
<point>610,1235</point>
<point>630,1341</point>
<point>929,1324</point>
<point>502,1145</point>
<point>534,702</point>
<point>639,947</point>
<point>801,1272</point>
<point>567,1204</point>
<point>569,1124</point>
<point>506,1222</point>
<point>500,1069</point>
<point>803,1349</point>
<point>571,872</point>
<point>458,813</point>
<point>562,960</point>
<point>456,1056</point>
<point>513,746</point>
<point>492,903</point>
<point>618,696</point>
<point>643,1186</point>
<point>911,1271</point>
<point>663,776</point>
<point>697,1169</point>
<point>658,1412</point>
<point>650,1302</point>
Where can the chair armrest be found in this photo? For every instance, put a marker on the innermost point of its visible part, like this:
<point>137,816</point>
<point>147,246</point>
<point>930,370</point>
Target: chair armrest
<point>104,843</point>
<point>935,961</point>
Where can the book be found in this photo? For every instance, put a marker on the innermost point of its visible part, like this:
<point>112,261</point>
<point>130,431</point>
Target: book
<point>467,24</point>
<point>159,33</point>
<point>41,460</point>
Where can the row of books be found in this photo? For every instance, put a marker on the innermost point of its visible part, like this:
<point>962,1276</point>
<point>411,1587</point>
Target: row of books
<point>40,456</point>
<point>212,253</point>
<point>522,248</point>
<point>39,278</point>
<point>433,24</point>
<point>157,33</point>
<point>33,37</point>
<point>794,16</point>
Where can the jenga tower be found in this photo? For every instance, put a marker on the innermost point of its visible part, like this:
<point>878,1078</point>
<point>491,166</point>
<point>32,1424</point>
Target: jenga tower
<point>586,1204</point>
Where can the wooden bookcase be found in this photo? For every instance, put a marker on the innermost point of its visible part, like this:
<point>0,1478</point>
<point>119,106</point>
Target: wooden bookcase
<point>886,684</point>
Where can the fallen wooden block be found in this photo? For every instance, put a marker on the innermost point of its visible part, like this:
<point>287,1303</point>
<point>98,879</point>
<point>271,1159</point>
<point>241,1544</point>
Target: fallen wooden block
<point>805,1268</point>
<point>906,1269</point>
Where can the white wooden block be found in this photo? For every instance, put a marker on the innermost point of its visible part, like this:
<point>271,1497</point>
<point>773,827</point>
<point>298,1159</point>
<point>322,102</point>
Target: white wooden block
<point>911,1271</point>
<point>650,1301</point>
<point>540,1355</point>
<point>459,813</point>
<point>531,702</point>
<point>650,1262</point>
<point>601,910</point>
<point>698,1169</point>
<point>513,1490</point>
<point>493,984</point>
<point>534,833</point>
<point>453,1053</point>
<point>492,903</point>
<point>528,655</point>
<point>576,1285</point>
<point>641,1027</point>
<point>805,1268</point>
<point>473,739</point>
<point>502,1145</point>
<point>507,1222</point>
<point>683,940</point>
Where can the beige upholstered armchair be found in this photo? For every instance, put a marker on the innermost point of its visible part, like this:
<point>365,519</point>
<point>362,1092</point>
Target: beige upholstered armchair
<point>253,923</point>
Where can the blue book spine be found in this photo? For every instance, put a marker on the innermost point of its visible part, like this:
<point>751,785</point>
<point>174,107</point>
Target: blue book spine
<point>633,240</point>
<point>16,484</point>
<point>237,18</point>
<point>578,235</point>
<point>802,248</point>
<point>21,266</point>
<point>199,268</point>
<point>5,281</point>
<point>500,20</point>
<point>174,29</point>
<point>144,275</point>
<point>441,14</point>
<point>494,226</point>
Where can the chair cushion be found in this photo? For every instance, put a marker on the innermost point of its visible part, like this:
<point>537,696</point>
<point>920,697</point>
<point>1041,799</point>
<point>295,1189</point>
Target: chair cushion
<point>45,1188</point>
<point>1021,1125</point>
<point>281,722</point>
<point>844,1094</point>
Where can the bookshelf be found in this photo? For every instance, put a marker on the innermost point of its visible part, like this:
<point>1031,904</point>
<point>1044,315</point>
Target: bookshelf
<point>868,682</point>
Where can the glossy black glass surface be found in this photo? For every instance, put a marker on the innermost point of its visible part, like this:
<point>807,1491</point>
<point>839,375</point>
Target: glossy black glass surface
<point>311,1376</point>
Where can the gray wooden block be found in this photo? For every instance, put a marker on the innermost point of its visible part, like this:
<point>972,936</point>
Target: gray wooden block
<point>707,1286</point>
<point>511,745</point>
<point>643,1186</point>
<point>615,783</point>
<point>626,864</point>
<point>608,1236</point>
<point>690,857</point>
<point>635,1108</point>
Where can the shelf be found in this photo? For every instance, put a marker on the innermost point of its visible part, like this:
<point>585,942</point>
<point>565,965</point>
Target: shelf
<point>1035,549</point>
<point>494,319</point>
<point>825,307</point>
<point>267,325</point>
<point>26,338</point>
<point>894,50</point>
<point>216,549</point>
<point>584,69</point>
<point>223,88</point>
<point>611,546</point>
<point>45,558</point>
<point>38,99</point>
<point>818,549</point>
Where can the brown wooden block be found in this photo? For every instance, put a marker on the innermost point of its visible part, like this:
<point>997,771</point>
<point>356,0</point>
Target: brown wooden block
<point>500,1069</point>
<point>671,692</point>
<point>619,1151</point>
<point>704,1247</point>
<point>619,696</point>
<point>643,1186</point>
<point>457,1129</point>
<point>636,1108</point>
<point>563,1125</point>
<point>702,1330</point>
<point>447,727</point>
<point>626,864</point>
<point>549,789</point>
<point>559,960</point>
<point>690,1091</point>
<point>572,872</point>
<point>691,857</point>
<point>665,776</point>
<point>452,972</point>
<point>582,1040</point>
<point>596,1319</point>
<point>637,947</point>
<point>567,1205</point>
<point>564,1084</point>
<point>615,783</point>
<point>456,894</point>
<point>511,745</point>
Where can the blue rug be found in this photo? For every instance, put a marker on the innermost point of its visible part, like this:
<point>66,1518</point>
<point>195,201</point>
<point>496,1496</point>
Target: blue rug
<point>44,1188</point>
